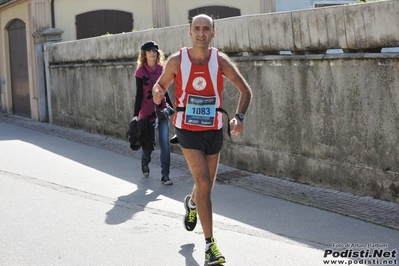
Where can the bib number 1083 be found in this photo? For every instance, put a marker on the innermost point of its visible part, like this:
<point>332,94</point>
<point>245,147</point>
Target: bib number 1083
<point>201,110</point>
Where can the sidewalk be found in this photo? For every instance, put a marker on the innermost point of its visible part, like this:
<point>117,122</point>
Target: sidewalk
<point>360,207</point>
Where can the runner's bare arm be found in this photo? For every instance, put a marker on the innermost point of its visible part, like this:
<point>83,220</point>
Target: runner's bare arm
<point>230,71</point>
<point>170,70</point>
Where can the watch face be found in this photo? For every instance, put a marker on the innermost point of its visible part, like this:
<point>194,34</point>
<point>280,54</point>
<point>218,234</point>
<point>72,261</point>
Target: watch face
<point>240,116</point>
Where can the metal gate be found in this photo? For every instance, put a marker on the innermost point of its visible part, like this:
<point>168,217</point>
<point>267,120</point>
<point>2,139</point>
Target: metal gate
<point>19,68</point>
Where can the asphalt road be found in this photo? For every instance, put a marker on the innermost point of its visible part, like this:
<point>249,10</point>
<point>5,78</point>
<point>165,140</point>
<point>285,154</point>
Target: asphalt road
<point>63,202</point>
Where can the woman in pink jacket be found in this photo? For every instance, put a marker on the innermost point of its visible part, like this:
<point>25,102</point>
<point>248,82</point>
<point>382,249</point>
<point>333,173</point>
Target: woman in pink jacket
<point>149,68</point>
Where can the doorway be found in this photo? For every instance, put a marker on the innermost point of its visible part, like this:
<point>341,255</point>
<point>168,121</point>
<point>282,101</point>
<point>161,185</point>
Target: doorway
<point>19,68</point>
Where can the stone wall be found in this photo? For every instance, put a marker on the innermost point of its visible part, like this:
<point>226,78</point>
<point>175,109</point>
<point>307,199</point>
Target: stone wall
<point>324,119</point>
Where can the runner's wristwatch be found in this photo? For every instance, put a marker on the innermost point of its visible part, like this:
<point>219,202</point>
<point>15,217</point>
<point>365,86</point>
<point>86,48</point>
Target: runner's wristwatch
<point>240,116</point>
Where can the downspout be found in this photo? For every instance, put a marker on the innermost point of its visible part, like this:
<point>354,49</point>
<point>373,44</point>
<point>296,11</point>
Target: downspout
<point>52,15</point>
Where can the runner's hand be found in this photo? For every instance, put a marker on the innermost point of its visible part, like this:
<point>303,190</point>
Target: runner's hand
<point>237,127</point>
<point>157,93</point>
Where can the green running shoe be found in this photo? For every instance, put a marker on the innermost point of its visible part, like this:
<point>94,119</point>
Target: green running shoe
<point>213,255</point>
<point>190,219</point>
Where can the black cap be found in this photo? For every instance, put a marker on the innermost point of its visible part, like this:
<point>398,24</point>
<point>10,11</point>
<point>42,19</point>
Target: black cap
<point>149,45</point>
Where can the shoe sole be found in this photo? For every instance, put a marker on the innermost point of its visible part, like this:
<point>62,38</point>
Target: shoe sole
<point>167,183</point>
<point>218,262</point>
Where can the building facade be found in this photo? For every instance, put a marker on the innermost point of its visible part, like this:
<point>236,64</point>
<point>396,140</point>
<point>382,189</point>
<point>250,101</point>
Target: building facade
<point>25,28</point>
<point>23,25</point>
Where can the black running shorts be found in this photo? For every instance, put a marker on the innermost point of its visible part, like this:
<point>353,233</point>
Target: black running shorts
<point>210,141</point>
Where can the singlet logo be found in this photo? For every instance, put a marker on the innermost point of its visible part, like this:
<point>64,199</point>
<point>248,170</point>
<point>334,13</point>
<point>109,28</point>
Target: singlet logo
<point>199,83</point>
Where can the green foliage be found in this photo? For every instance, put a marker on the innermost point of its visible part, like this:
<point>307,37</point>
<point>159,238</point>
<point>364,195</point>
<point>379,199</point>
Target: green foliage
<point>367,1</point>
<point>110,34</point>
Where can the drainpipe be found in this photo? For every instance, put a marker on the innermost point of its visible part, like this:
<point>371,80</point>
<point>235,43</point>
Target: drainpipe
<point>52,14</point>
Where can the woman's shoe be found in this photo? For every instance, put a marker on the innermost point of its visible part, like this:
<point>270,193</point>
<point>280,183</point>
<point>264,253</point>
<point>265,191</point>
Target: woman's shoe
<point>166,181</point>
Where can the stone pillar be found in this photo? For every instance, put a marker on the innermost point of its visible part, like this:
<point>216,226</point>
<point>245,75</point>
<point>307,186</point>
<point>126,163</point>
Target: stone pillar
<point>43,38</point>
<point>267,6</point>
<point>160,13</point>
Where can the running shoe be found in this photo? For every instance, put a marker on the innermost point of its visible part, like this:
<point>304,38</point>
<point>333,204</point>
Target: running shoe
<point>190,219</point>
<point>213,255</point>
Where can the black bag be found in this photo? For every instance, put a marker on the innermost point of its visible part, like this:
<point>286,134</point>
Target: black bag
<point>132,134</point>
<point>139,135</point>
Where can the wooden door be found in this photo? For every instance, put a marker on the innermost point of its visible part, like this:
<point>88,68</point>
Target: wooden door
<point>19,68</point>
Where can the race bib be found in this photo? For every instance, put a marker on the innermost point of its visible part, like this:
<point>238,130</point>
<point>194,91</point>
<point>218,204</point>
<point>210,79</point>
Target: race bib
<point>200,110</point>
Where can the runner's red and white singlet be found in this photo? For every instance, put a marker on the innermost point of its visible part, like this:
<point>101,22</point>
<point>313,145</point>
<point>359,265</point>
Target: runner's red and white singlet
<point>199,89</point>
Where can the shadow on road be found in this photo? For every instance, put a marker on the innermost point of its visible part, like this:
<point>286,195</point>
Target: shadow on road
<point>129,205</point>
<point>187,252</point>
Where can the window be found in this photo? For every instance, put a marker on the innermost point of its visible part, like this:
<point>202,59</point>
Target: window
<point>216,12</point>
<point>100,22</point>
